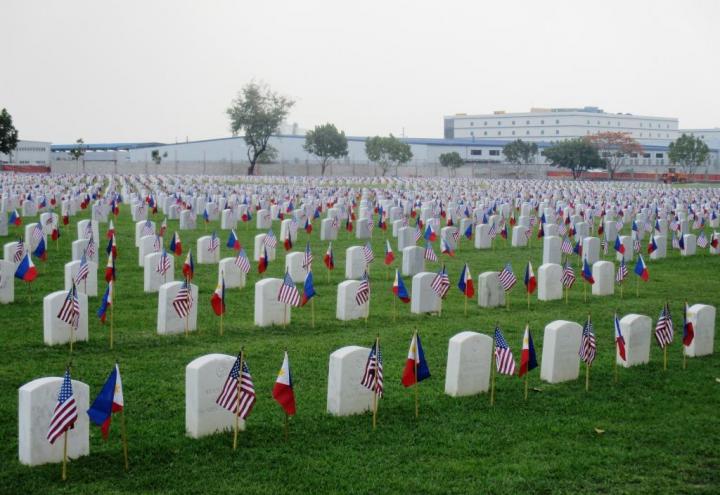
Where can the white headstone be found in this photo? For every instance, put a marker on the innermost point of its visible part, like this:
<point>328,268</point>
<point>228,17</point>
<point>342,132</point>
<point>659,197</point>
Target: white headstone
<point>36,403</point>
<point>263,220</point>
<point>152,280</point>
<point>347,307</point>
<point>3,222</point>
<point>56,331</point>
<point>551,249</point>
<point>87,286</point>
<point>490,292</point>
<point>482,236</point>
<point>661,251</point>
<point>204,380</point>
<point>47,220</point>
<point>362,228</point>
<point>550,282</point>
<point>406,237</point>
<point>355,264</point>
<point>187,220</point>
<point>603,272</point>
<point>560,358</point>
<point>141,231</point>
<point>690,241</point>
<point>636,334</point>
<point>413,260</point>
<point>9,252</point>
<point>627,243</point>
<point>423,299</point>
<point>327,232</point>
<point>610,231</point>
<point>139,212</point>
<point>234,276</point>
<point>260,248</point>
<point>468,364</point>
<point>29,240</point>
<point>168,320</point>
<point>83,229</point>
<point>702,318</point>
<point>447,234</point>
<point>519,236</point>
<point>7,282</point>
<point>294,266</point>
<point>149,244</point>
<point>203,254</point>
<point>286,230</point>
<point>345,395</point>
<point>591,249</point>
<point>268,310</point>
<point>228,220</point>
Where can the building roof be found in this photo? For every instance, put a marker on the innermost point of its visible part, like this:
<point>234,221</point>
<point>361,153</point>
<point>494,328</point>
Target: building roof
<point>103,146</point>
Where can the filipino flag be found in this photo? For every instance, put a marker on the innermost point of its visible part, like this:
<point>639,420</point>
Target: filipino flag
<point>112,247</point>
<point>15,218</point>
<point>541,231</point>
<point>578,248</point>
<point>652,245</point>
<point>530,282</point>
<point>416,368</point>
<point>106,302</point>
<point>55,234</point>
<point>189,266</point>
<point>308,289</point>
<point>328,258</point>
<point>283,389</point>
<point>26,269</point>
<point>349,225</point>
<point>218,298</point>
<point>445,247</point>
<point>233,242</point>
<point>619,246</point>
<point>528,361</point>
<point>263,262</point>
<point>65,219</point>
<point>40,251</point>
<point>399,288</point>
<point>587,272</point>
<point>641,269</point>
<point>430,234</point>
<point>389,255</point>
<point>110,269</point>
<point>714,240</point>
<point>176,244</point>
<point>308,226</point>
<point>288,242</point>
<point>688,330</point>
<point>108,401</point>
<point>468,231</point>
<point>619,340</point>
<point>110,231</point>
<point>465,284</point>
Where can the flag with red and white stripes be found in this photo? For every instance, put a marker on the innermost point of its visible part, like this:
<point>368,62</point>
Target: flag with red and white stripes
<point>240,403</point>
<point>504,362</point>
<point>65,413</point>
<point>70,310</point>
<point>288,293</point>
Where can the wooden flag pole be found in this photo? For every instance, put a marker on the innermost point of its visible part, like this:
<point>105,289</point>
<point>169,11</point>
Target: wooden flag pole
<point>585,292</point>
<point>621,290</point>
<point>417,398</point>
<point>285,310</point>
<point>440,310</point>
<point>222,312</point>
<point>566,295</point>
<point>466,298</point>
<point>112,304</point>
<point>237,406</point>
<point>507,300</point>
<point>615,366</point>
<point>312,311</point>
<point>375,380</point>
<point>286,427</point>
<point>492,376</point>
<point>684,357</point>
<point>528,297</point>
<point>395,308</point>
<point>527,376</point>
<point>123,431</point>
<point>587,377</point>
<point>665,358</point>
<point>64,461</point>
<point>637,287</point>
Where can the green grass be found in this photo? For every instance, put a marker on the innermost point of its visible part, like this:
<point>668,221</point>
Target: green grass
<point>661,428</point>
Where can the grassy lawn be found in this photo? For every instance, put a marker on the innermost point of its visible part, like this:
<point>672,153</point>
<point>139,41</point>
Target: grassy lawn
<point>661,430</point>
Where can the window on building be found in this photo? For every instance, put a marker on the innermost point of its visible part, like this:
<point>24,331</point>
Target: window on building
<point>513,122</point>
<point>640,124</point>
<point>542,131</point>
<point>499,133</point>
<point>527,133</point>
<point>618,123</point>
<point>598,122</point>
<point>472,123</point>
<point>499,123</point>
<point>646,155</point>
<point>658,155</point>
<point>557,131</point>
<point>527,122</point>
<point>476,152</point>
<point>588,122</point>
<point>633,155</point>
<point>513,133</point>
<point>484,133</point>
<point>494,152</point>
<point>641,134</point>
<point>542,122</point>
<point>557,121</point>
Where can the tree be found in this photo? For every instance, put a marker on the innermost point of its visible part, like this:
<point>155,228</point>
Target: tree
<point>520,153</point>
<point>689,152</point>
<point>155,155</point>
<point>451,161</point>
<point>79,150</point>
<point>387,152</point>
<point>614,148</point>
<point>575,154</point>
<point>8,134</point>
<point>258,112</point>
<point>326,142</point>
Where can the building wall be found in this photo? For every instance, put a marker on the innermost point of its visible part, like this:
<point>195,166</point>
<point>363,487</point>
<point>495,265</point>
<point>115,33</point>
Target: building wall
<point>29,153</point>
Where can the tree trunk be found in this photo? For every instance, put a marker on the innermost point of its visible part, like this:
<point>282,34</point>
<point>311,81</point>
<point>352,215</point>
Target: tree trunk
<point>322,167</point>
<point>251,168</point>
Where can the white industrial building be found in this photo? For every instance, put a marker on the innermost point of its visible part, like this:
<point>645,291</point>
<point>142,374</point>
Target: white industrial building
<point>28,153</point>
<point>553,124</point>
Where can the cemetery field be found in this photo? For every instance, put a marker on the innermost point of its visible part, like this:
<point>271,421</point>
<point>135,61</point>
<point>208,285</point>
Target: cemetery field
<point>654,431</point>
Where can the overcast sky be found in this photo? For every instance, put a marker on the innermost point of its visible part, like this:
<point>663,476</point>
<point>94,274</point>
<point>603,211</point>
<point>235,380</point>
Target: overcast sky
<point>152,70</point>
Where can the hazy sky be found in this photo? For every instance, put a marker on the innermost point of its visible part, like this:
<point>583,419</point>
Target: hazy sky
<point>153,70</point>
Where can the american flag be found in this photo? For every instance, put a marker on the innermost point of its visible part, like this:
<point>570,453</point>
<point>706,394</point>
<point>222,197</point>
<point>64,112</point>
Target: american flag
<point>504,362</point>
<point>228,398</point>
<point>19,251</point>
<point>270,239</point>
<point>368,253</point>
<point>507,278</point>
<point>308,259</point>
<point>88,230</point>
<point>242,261</point>
<point>675,242</point>
<point>441,283</point>
<point>493,232</point>
<point>418,234</point>
<point>619,225</point>
<point>83,270</point>
<point>90,249</point>
<point>429,253</point>
<point>334,224</point>
<point>183,300</point>
<point>372,378</point>
<point>148,228</point>
<point>702,241</point>
<point>214,243</point>
<point>163,264</point>
<point>456,235</point>
<point>664,327</point>
<point>566,247</point>
<point>37,234</point>
<point>568,276</point>
<point>562,230</point>
<point>636,243</point>
<point>157,244</point>
<point>65,413</point>
<point>528,233</point>
<point>363,291</point>
<point>587,343</point>
<point>604,244</point>
<point>288,293</point>
<point>70,310</point>
<point>622,272</point>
